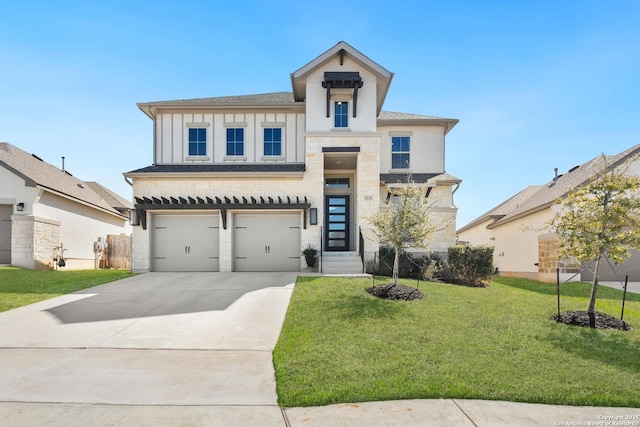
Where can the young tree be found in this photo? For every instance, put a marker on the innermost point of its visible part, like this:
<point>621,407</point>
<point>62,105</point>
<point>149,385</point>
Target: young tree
<point>406,222</point>
<point>600,218</point>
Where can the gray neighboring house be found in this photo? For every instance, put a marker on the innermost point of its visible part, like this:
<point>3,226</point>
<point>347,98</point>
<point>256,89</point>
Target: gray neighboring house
<point>46,212</point>
<point>516,228</point>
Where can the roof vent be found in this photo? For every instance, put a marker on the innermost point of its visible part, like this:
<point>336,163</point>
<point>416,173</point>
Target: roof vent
<point>37,157</point>
<point>80,185</point>
<point>573,168</point>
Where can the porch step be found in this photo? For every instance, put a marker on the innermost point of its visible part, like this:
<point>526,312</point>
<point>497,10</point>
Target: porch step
<point>341,263</point>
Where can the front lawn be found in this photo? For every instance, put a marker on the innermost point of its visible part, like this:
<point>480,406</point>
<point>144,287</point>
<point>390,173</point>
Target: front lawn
<point>339,344</point>
<point>20,287</point>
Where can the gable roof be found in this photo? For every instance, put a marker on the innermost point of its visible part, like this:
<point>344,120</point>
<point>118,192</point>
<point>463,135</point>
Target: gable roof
<point>504,208</point>
<point>38,173</point>
<point>546,195</point>
<point>383,76</point>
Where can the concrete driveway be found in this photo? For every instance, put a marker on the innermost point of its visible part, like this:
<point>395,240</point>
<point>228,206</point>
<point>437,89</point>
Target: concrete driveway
<point>153,348</point>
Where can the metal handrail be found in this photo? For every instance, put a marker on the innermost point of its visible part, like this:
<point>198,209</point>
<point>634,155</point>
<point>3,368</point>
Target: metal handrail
<point>321,250</point>
<point>361,248</point>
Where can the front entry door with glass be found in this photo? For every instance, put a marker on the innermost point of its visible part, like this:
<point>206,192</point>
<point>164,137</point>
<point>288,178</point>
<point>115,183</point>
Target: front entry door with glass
<point>336,223</point>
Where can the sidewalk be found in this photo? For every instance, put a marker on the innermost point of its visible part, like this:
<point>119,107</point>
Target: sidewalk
<point>402,413</point>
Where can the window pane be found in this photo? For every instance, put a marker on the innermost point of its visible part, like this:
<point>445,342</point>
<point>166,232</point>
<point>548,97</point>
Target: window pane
<point>339,218</point>
<point>400,161</point>
<point>341,114</point>
<point>231,151</point>
<point>276,149</point>
<point>337,234</point>
<point>336,243</point>
<point>341,201</point>
<point>336,209</point>
<point>337,226</point>
<point>192,134</point>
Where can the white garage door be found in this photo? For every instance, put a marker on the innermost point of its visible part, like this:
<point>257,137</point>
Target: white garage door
<point>185,243</point>
<point>267,242</point>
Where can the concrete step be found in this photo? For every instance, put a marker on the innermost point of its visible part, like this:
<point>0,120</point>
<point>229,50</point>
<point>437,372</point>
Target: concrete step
<point>341,263</point>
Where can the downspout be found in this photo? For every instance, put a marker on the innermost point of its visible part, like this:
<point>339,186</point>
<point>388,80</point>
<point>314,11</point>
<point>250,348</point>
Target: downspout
<point>126,179</point>
<point>454,192</point>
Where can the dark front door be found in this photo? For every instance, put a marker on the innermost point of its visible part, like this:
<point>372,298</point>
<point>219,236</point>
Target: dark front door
<point>336,223</point>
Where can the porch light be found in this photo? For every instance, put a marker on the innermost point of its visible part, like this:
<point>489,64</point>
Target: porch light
<point>134,219</point>
<point>20,207</point>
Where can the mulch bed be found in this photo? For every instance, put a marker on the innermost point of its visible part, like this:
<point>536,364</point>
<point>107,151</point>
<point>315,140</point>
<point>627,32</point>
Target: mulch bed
<point>581,318</point>
<point>397,292</point>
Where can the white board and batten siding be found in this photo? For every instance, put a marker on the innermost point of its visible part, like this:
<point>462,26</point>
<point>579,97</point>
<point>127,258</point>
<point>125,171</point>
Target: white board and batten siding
<point>172,137</point>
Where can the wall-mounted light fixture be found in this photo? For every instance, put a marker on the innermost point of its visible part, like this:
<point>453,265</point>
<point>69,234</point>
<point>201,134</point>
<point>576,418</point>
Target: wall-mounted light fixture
<point>20,207</point>
<point>313,216</point>
<point>134,219</point>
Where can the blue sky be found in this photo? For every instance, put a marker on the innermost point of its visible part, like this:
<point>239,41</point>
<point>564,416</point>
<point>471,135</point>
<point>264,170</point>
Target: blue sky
<point>535,84</point>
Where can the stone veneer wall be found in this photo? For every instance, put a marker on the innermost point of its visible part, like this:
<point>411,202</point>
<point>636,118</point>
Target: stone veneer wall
<point>33,240</point>
<point>548,262</point>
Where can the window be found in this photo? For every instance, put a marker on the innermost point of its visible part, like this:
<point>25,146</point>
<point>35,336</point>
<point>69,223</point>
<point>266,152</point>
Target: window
<point>272,142</point>
<point>400,152</point>
<point>235,142</point>
<point>341,114</point>
<point>336,182</point>
<point>197,141</point>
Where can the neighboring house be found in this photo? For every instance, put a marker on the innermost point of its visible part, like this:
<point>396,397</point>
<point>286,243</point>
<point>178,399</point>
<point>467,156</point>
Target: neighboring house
<point>245,183</point>
<point>46,212</point>
<point>524,245</point>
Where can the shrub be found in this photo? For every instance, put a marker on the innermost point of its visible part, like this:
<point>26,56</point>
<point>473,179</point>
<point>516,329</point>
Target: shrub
<point>470,265</point>
<point>423,266</point>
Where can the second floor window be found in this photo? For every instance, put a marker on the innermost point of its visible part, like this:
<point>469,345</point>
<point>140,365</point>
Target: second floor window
<point>235,142</point>
<point>341,114</point>
<point>400,152</point>
<point>197,141</point>
<point>273,142</point>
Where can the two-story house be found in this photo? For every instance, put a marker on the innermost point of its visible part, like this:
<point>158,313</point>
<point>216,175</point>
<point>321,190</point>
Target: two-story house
<point>245,183</point>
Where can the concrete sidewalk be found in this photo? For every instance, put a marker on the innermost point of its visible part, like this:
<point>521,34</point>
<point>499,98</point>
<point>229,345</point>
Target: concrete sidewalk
<point>445,412</point>
<point>191,349</point>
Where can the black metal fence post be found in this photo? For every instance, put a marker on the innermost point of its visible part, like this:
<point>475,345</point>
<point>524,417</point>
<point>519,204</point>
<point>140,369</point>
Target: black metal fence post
<point>558,288</point>
<point>624,295</point>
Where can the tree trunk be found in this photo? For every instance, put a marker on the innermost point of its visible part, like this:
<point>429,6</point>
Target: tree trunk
<point>396,267</point>
<point>592,299</point>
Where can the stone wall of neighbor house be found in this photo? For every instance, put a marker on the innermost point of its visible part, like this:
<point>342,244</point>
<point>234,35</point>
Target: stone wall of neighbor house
<point>33,240</point>
<point>548,262</point>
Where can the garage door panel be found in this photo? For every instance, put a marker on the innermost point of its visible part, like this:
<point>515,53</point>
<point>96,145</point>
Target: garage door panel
<point>267,242</point>
<point>186,243</point>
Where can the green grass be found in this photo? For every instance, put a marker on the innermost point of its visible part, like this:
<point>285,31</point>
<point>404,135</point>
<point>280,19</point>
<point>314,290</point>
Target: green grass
<point>22,287</point>
<point>339,344</point>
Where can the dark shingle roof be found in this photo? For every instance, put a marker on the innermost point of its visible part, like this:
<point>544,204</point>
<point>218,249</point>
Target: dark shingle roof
<point>37,172</point>
<point>210,168</point>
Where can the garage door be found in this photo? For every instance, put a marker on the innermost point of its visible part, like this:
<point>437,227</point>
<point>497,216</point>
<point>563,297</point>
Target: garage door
<point>185,243</point>
<point>266,242</point>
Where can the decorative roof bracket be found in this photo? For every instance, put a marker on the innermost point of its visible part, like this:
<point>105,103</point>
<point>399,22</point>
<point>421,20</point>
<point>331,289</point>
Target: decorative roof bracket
<point>342,80</point>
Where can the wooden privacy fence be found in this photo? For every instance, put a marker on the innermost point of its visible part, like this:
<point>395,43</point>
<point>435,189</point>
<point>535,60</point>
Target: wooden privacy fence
<point>118,252</point>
